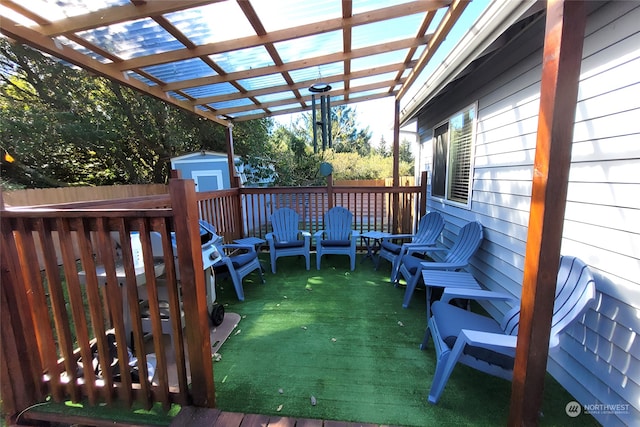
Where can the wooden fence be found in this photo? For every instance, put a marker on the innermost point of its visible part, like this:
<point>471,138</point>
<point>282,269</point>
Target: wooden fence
<point>55,196</point>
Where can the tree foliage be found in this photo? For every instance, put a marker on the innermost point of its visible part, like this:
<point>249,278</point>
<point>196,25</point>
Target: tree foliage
<point>60,126</point>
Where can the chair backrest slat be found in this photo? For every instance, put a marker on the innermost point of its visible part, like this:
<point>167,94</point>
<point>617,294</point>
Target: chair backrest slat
<point>285,224</point>
<point>338,223</point>
<point>466,244</point>
<point>429,228</point>
<point>575,292</point>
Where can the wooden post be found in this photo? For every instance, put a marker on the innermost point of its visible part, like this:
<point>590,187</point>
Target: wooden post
<point>424,176</point>
<point>194,298</point>
<point>396,167</point>
<point>233,178</point>
<point>561,62</point>
<point>330,191</point>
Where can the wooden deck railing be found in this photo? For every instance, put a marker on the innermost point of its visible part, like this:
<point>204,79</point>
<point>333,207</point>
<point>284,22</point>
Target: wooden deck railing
<point>58,265</point>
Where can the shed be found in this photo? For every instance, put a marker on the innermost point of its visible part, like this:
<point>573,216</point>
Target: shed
<point>209,169</point>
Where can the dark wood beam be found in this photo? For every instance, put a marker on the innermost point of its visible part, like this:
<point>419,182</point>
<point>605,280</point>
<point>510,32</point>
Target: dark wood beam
<point>562,57</point>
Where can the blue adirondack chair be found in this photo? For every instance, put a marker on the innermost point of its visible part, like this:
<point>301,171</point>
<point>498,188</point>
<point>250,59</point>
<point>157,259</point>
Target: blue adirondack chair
<point>338,237</point>
<point>429,229</point>
<point>461,336</point>
<point>287,239</point>
<point>456,258</point>
<point>237,262</point>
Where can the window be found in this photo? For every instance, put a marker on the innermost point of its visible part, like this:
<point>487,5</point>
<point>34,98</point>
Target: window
<point>453,156</point>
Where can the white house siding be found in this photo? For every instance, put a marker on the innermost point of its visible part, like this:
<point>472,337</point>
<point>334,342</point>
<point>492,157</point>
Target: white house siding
<point>598,359</point>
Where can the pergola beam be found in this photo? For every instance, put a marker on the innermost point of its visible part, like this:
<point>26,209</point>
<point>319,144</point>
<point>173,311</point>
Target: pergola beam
<point>561,61</point>
<point>284,35</point>
<point>25,35</point>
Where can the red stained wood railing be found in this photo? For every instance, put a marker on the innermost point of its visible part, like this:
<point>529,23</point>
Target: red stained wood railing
<point>59,264</point>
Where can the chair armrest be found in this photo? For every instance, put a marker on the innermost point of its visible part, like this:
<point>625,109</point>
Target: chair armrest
<point>269,237</point>
<point>501,343</point>
<point>443,265</point>
<point>475,294</point>
<point>250,248</point>
<point>397,237</point>
<point>318,234</point>
<point>355,234</point>
<point>304,233</point>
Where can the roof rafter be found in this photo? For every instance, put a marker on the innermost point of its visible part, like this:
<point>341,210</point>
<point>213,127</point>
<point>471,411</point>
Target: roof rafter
<point>286,34</point>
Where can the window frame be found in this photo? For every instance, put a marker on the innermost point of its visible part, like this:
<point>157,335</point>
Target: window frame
<point>449,153</point>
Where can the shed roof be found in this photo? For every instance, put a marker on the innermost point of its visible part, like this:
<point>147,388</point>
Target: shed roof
<point>240,60</point>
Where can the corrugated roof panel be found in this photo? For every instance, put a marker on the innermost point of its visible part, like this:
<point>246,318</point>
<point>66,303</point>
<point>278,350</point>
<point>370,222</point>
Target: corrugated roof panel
<point>394,57</point>
<point>212,23</point>
<point>81,49</point>
<point>321,71</point>
<point>181,70</point>
<point>211,90</point>
<point>373,79</point>
<point>133,38</point>
<point>231,103</point>
<point>275,96</point>
<point>362,6</point>
<point>55,10</point>
<point>177,96</point>
<point>310,46</point>
<point>290,13</point>
<point>368,93</point>
<point>247,113</point>
<point>263,82</point>
<point>243,59</point>
<point>143,79</point>
<point>385,31</point>
<point>284,107</point>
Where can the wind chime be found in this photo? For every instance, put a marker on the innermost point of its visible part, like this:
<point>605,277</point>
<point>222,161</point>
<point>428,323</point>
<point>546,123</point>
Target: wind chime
<point>321,125</point>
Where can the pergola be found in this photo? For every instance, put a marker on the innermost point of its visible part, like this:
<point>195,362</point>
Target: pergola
<point>229,61</point>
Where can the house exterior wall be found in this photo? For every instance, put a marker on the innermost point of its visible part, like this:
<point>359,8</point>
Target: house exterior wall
<point>598,358</point>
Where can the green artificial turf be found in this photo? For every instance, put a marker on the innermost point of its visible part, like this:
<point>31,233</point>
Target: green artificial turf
<point>344,338</point>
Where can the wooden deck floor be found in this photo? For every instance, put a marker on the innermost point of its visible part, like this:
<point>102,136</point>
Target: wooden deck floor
<point>202,417</point>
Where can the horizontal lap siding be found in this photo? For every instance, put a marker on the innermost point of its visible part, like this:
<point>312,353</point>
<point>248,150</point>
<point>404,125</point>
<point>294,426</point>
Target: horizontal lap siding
<point>598,359</point>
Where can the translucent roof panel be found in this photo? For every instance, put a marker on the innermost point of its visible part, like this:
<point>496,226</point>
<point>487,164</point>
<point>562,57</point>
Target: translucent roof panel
<point>285,107</point>
<point>310,46</point>
<point>60,9</point>
<point>62,40</point>
<point>182,70</point>
<point>362,6</point>
<point>208,51</point>
<point>263,82</point>
<point>243,59</point>
<point>132,39</point>
<point>178,96</point>
<point>385,31</point>
<point>211,90</point>
<point>373,79</point>
<point>317,73</point>
<point>247,113</point>
<point>140,77</point>
<point>231,104</point>
<point>275,97</point>
<point>369,93</point>
<point>200,27</point>
<point>393,57</point>
<point>289,13</point>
